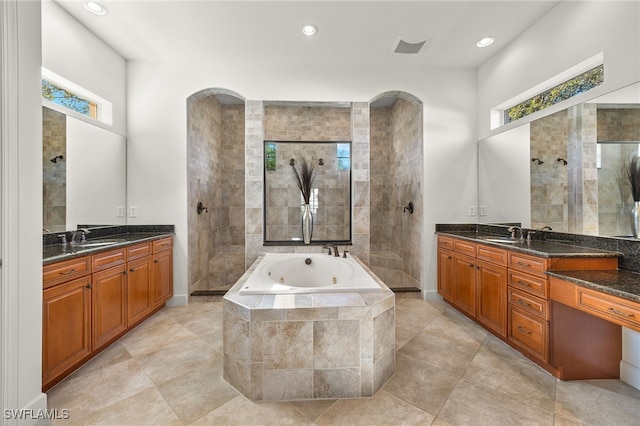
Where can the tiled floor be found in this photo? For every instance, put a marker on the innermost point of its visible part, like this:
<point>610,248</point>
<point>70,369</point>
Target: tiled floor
<point>449,372</point>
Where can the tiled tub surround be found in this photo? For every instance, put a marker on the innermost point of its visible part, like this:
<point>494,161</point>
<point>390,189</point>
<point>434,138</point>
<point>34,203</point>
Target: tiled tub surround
<point>308,346</point>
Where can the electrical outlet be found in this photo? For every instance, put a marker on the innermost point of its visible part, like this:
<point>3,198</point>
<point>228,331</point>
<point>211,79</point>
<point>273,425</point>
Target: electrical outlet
<point>133,211</point>
<point>472,210</point>
<point>483,210</point>
<point>120,211</point>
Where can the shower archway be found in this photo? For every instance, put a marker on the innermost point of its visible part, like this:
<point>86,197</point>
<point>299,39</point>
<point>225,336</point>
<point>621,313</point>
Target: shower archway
<point>396,179</point>
<point>215,179</point>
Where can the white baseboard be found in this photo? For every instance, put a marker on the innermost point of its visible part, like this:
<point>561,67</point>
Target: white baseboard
<point>431,295</point>
<point>178,300</point>
<point>630,374</point>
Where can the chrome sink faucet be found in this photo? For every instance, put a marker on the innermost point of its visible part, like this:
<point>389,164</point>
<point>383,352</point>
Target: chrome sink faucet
<point>513,230</point>
<point>83,235</point>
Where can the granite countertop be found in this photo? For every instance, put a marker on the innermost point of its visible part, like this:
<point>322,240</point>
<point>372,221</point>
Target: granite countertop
<point>535,247</point>
<point>57,252</point>
<point>620,283</point>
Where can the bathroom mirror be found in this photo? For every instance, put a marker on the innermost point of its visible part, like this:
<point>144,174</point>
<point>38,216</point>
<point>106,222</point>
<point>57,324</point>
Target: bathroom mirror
<point>523,177</point>
<point>330,199</point>
<point>84,173</point>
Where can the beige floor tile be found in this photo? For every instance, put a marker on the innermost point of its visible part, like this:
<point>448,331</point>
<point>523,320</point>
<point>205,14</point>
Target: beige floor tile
<point>202,322</point>
<point>474,404</point>
<point>439,352</point>
<point>461,331</point>
<point>113,354</point>
<point>582,402</point>
<point>403,335</point>
<point>179,359</point>
<point>155,338</point>
<point>214,339</point>
<point>313,409</point>
<point>242,412</point>
<point>512,374</point>
<point>144,408</point>
<point>382,409</point>
<point>159,319</point>
<point>415,314</point>
<point>95,391</point>
<point>196,393</point>
<point>421,384</point>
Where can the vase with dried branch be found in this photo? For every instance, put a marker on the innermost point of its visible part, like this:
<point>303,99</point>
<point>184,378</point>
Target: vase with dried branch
<point>633,173</point>
<point>304,173</point>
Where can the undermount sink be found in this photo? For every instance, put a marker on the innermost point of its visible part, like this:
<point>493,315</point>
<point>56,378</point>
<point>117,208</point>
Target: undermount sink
<point>502,240</point>
<point>98,243</point>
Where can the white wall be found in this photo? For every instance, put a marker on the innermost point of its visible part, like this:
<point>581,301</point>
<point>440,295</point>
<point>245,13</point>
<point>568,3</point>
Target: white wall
<point>157,145</point>
<point>73,52</point>
<point>569,34</point>
<point>21,290</point>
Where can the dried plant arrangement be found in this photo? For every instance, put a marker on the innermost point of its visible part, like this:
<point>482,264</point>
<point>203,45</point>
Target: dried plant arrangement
<point>304,173</point>
<point>633,173</point>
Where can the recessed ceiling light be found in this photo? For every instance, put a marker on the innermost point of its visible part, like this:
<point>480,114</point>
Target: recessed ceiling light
<point>309,30</point>
<point>484,42</point>
<point>95,8</point>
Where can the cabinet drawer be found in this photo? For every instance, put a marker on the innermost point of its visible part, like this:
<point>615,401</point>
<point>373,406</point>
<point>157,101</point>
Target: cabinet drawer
<point>60,272</point>
<point>162,244</point>
<point>528,332</point>
<point>538,286</point>
<point>464,247</point>
<point>138,251</point>
<point>611,308</point>
<point>530,264</point>
<point>529,303</point>
<point>445,242</point>
<point>492,254</point>
<point>108,259</point>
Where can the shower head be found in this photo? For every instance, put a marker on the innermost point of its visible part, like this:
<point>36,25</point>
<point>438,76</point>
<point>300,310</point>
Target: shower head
<point>539,161</point>
<point>562,160</point>
<point>56,158</point>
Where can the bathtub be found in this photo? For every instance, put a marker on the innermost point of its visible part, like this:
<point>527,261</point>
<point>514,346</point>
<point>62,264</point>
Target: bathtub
<point>292,273</point>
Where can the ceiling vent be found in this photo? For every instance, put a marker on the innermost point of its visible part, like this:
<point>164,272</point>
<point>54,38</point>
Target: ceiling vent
<point>409,45</point>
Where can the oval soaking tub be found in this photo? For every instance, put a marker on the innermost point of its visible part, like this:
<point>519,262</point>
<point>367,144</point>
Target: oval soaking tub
<point>308,273</point>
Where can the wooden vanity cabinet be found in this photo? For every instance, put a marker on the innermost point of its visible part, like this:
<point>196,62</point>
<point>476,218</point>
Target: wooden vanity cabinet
<point>529,305</point>
<point>492,296</point>
<point>66,331</point>
<point>117,290</point>
<point>162,276</point>
<point>473,278</point>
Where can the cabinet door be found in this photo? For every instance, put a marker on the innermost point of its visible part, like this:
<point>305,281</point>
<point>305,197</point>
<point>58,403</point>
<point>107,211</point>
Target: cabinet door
<point>66,328</point>
<point>492,297</point>
<point>445,274</point>
<point>109,305</point>
<point>465,283</point>
<point>162,278</point>
<point>138,289</point>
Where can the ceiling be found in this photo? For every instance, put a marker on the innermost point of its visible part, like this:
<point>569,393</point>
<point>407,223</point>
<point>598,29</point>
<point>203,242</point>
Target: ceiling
<point>350,33</point>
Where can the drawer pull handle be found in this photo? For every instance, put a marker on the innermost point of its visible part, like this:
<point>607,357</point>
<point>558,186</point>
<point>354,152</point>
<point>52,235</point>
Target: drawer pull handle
<point>522,302</point>
<point>623,314</point>
<point>70,271</point>
<point>524,283</point>
<point>524,264</point>
<point>523,330</point>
